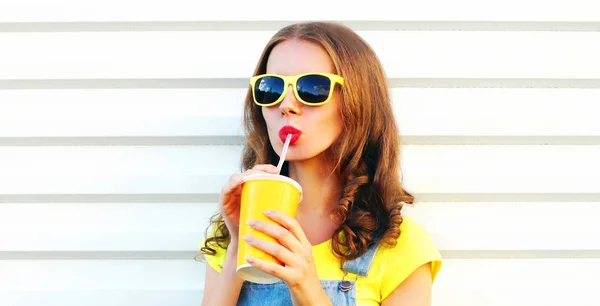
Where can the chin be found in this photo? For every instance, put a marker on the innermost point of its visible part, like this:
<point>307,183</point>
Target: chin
<point>300,156</point>
<point>299,151</point>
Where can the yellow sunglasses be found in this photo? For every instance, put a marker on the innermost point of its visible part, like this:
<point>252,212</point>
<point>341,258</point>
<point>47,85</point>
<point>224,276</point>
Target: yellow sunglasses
<point>309,88</point>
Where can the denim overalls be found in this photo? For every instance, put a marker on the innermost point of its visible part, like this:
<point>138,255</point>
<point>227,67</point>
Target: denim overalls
<point>340,292</point>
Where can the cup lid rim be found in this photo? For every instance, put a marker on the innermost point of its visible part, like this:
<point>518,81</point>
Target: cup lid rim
<point>273,177</point>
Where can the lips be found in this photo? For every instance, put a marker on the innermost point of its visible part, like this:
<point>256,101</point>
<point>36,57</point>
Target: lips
<point>288,129</point>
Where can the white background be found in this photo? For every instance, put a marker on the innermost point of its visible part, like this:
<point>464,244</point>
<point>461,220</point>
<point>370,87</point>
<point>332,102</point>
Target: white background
<point>120,121</point>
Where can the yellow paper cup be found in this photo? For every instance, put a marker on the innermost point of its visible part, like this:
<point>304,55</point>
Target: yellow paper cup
<point>262,192</point>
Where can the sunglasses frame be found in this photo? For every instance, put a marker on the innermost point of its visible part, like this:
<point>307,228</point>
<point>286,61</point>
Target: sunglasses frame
<point>293,80</point>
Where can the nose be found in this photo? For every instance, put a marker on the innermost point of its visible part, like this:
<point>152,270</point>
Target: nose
<point>289,105</point>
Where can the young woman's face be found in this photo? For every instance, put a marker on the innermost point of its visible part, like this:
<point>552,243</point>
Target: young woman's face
<point>320,125</point>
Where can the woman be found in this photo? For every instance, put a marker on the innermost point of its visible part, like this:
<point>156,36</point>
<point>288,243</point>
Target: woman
<point>349,243</point>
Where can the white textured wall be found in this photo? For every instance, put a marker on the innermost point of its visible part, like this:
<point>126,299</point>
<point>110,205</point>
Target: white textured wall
<point>120,121</point>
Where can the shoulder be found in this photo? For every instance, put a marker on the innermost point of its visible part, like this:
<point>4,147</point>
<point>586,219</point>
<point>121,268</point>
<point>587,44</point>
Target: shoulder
<point>413,238</point>
<point>413,249</point>
<point>414,246</point>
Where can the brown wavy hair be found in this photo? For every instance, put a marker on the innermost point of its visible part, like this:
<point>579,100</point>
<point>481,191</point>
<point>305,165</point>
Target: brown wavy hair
<point>366,155</point>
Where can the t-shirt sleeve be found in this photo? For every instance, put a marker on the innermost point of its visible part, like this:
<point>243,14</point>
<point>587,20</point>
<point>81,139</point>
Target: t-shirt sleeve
<point>217,260</point>
<point>414,249</point>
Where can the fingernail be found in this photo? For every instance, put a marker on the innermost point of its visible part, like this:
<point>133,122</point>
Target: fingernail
<point>251,222</point>
<point>249,259</point>
<point>268,212</point>
<point>247,238</point>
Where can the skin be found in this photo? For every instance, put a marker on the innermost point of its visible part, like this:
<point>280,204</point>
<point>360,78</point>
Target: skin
<point>320,127</point>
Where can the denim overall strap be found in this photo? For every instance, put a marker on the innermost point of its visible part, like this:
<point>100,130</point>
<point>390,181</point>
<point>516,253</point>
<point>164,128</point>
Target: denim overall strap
<point>340,292</point>
<point>361,265</point>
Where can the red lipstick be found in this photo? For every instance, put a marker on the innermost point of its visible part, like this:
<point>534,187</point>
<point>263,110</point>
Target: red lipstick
<point>288,129</point>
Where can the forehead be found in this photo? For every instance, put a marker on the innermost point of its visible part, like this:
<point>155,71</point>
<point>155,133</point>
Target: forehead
<point>299,56</point>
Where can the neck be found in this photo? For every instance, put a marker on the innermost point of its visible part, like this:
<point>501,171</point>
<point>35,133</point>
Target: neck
<point>321,188</point>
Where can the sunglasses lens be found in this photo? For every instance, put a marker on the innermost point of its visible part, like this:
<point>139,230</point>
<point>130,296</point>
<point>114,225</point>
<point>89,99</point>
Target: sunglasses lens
<point>268,89</point>
<point>314,88</point>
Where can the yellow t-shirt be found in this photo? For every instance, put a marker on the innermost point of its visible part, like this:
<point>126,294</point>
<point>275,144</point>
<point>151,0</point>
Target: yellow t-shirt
<point>390,266</point>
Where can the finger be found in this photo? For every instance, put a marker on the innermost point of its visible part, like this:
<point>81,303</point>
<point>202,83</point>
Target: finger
<point>230,194</point>
<point>266,168</point>
<point>234,181</point>
<point>255,171</point>
<point>268,267</point>
<point>278,251</point>
<point>283,235</point>
<point>290,224</point>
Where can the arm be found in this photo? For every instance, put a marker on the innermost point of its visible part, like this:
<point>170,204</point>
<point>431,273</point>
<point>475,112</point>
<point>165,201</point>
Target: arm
<point>414,291</point>
<point>315,296</point>
<point>223,289</point>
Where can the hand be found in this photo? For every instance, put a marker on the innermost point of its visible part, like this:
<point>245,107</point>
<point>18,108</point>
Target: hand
<point>299,271</point>
<point>229,201</point>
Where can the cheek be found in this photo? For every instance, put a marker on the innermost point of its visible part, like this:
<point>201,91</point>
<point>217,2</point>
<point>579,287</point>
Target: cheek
<point>335,119</point>
<point>338,127</point>
<point>328,125</point>
<point>267,115</point>
<point>270,115</point>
